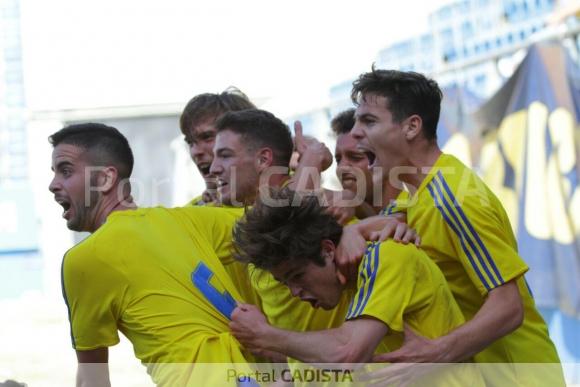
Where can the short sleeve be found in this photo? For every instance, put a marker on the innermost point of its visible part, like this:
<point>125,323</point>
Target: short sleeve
<point>385,285</point>
<point>482,240</point>
<point>92,291</point>
<point>398,205</point>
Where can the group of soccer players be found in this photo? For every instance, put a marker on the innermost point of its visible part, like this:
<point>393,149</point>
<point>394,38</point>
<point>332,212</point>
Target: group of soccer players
<point>413,262</point>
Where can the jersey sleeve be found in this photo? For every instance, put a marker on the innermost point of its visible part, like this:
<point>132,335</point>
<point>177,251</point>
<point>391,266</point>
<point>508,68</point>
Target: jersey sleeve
<point>398,205</point>
<point>483,240</point>
<point>385,285</point>
<point>92,292</point>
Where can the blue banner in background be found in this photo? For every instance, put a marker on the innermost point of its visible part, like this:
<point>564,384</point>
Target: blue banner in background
<point>530,159</point>
<point>529,156</point>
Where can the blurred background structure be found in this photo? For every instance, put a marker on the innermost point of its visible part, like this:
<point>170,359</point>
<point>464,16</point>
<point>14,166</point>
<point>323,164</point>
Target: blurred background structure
<point>509,70</point>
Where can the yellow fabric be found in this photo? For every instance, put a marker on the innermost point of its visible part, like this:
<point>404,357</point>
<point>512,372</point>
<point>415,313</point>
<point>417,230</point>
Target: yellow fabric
<point>237,271</point>
<point>465,230</point>
<point>399,284</point>
<point>135,275</point>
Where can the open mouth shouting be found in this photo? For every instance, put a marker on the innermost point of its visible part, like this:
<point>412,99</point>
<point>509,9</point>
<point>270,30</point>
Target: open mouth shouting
<point>347,179</point>
<point>204,168</point>
<point>371,156</point>
<point>65,204</point>
<point>221,184</point>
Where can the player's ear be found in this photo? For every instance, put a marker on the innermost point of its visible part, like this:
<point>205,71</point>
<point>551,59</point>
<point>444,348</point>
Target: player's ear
<point>106,179</point>
<point>328,249</point>
<point>264,158</point>
<point>412,127</point>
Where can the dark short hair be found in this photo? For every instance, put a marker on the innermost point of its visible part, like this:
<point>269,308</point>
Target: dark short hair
<point>260,128</point>
<point>407,93</point>
<point>210,105</point>
<point>343,122</point>
<point>270,235</point>
<point>106,144</point>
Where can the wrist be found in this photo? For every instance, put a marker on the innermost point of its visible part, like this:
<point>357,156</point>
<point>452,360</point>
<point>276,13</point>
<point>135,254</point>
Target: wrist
<point>445,345</point>
<point>266,336</point>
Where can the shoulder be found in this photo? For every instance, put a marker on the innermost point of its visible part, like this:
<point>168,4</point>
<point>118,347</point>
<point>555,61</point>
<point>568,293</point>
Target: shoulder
<point>458,190</point>
<point>196,201</point>
<point>210,213</point>
<point>396,253</point>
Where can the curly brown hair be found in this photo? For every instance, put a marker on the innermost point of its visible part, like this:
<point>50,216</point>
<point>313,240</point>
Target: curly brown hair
<point>293,229</point>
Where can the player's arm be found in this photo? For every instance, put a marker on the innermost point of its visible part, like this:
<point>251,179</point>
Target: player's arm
<point>501,313</point>
<point>93,368</point>
<point>353,242</point>
<point>353,342</point>
<point>502,310</point>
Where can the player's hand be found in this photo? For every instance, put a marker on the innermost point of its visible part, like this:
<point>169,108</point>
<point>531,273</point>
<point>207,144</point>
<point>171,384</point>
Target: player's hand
<point>415,349</point>
<point>248,325</point>
<point>405,370</point>
<point>313,153</point>
<point>349,252</point>
<point>398,230</point>
<point>339,205</point>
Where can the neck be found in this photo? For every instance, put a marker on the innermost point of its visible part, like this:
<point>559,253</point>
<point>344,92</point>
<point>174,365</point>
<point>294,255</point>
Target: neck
<point>422,159</point>
<point>109,205</point>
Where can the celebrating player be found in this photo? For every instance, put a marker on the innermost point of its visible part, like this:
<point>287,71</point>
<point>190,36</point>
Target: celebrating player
<point>463,226</point>
<point>144,272</point>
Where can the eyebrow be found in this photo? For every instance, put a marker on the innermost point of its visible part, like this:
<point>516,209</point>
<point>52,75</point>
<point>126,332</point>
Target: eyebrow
<point>62,164</point>
<point>365,115</point>
<point>209,132</point>
<point>225,149</point>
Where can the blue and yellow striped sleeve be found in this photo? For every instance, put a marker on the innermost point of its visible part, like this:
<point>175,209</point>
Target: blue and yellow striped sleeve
<point>385,284</point>
<point>483,243</point>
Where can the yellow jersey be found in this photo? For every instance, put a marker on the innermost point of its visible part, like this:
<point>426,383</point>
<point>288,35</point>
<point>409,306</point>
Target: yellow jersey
<point>154,275</point>
<point>466,231</point>
<point>399,284</point>
<point>237,271</point>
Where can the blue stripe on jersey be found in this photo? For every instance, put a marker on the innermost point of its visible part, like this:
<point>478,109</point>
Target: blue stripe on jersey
<point>472,229</point>
<point>364,274</point>
<point>223,302</point>
<point>66,301</point>
<point>372,280</point>
<point>459,234</point>
<point>464,231</point>
<point>528,286</point>
<point>363,277</point>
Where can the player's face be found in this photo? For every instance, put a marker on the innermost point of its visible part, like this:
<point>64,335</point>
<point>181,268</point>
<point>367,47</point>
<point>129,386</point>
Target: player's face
<point>234,166</point>
<point>201,140</point>
<point>377,134</point>
<point>68,186</point>
<point>352,166</point>
<point>315,284</point>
